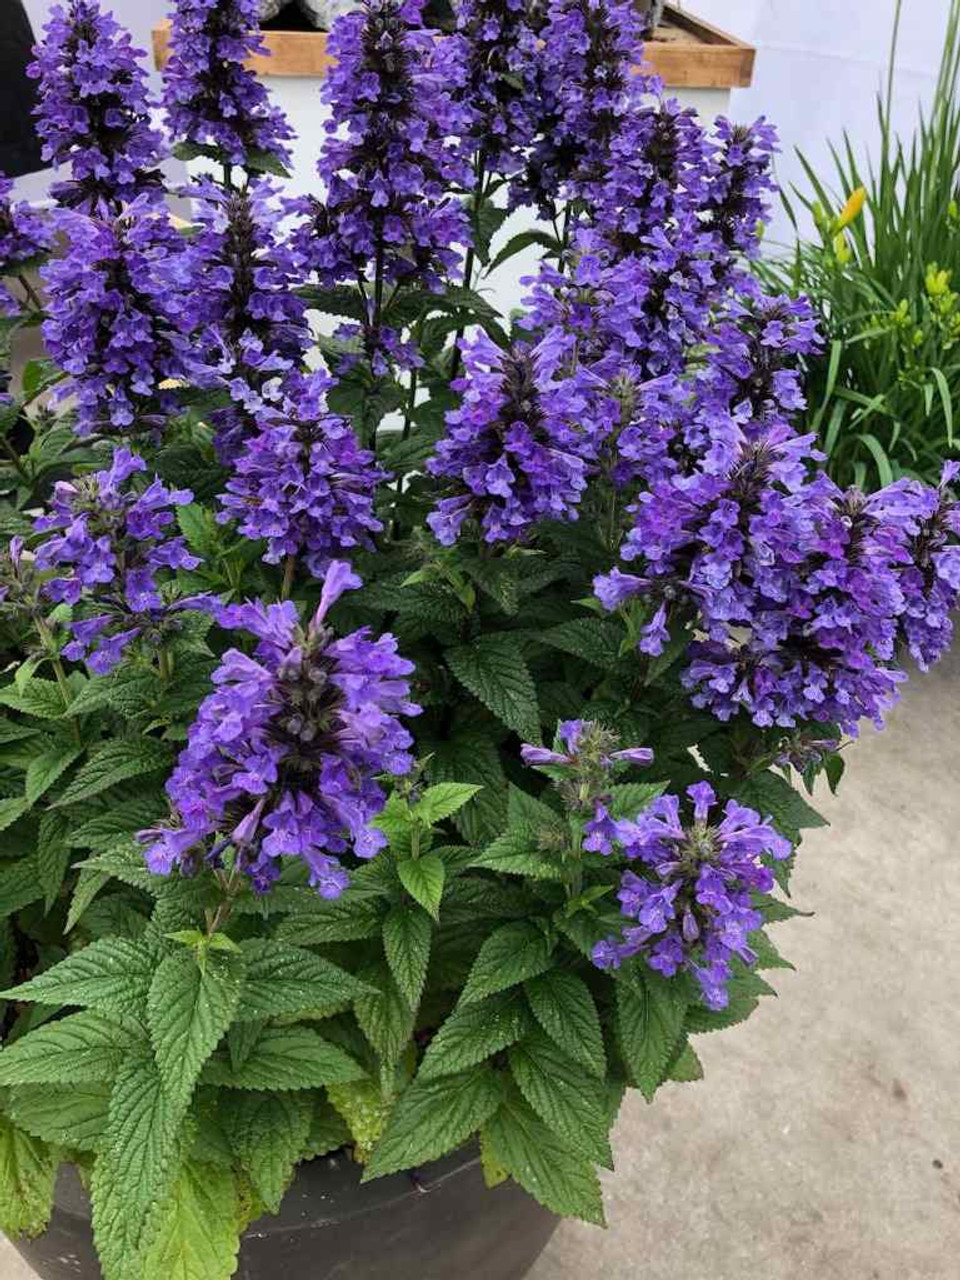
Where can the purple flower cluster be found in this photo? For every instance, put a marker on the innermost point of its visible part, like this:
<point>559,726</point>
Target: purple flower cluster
<point>114,316</point>
<point>692,902</point>
<point>24,236</point>
<point>241,305</point>
<point>113,542</point>
<point>283,756</point>
<point>302,482</point>
<point>212,99</point>
<point>584,86</point>
<point>499,89</point>
<point>518,449</point>
<point>94,109</point>
<point>392,153</point>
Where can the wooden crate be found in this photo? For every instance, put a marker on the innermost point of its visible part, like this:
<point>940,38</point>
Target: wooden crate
<point>686,52</point>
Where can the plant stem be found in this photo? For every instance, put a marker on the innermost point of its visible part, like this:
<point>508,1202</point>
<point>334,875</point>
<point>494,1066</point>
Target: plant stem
<point>289,569</point>
<point>479,199</point>
<point>29,290</point>
<point>164,665</point>
<point>46,639</point>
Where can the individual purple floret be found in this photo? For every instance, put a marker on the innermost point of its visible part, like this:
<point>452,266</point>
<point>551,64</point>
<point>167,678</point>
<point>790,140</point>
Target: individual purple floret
<point>392,153</point>
<point>115,546</point>
<point>692,900</point>
<point>94,110</point>
<point>114,316</point>
<point>283,757</point>
<point>302,482</point>
<point>241,306</point>
<point>25,235</point>
<point>212,99</point>
<point>518,449</point>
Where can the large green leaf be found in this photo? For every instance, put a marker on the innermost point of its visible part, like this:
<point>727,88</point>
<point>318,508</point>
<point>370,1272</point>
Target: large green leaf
<point>286,1058</point>
<point>407,935</point>
<point>385,1016</point>
<point>564,1094</point>
<point>197,1235</point>
<point>87,1046</point>
<point>191,1004</point>
<point>511,954</point>
<point>650,1016</point>
<point>423,878</point>
<point>543,1164</point>
<point>112,973</point>
<point>117,761</point>
<point>269,1132</point>
<point>495,671</point>
<point>282,979</point>
<point>562,1004</point>
<point>433,1117</point>
<point>44,770</point>
<point>71,1115</point>
<point>474,1032</point>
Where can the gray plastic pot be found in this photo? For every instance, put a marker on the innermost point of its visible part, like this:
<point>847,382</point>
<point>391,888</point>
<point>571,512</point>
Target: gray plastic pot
<point>436,1223</point>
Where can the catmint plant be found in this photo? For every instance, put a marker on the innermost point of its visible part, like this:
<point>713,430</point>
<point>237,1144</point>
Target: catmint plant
<point>411,720</point>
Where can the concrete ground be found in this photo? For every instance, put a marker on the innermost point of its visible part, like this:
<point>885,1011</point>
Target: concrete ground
<point>824,1142</point>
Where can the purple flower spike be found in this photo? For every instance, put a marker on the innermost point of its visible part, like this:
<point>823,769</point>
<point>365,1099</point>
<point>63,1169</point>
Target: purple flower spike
<point>24,236</point>
<point>691,902</point>
<point>94,110</point>
<point>212,98</point>
<point>283,757</point>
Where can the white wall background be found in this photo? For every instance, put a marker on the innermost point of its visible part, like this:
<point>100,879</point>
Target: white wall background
<point>819,63</point>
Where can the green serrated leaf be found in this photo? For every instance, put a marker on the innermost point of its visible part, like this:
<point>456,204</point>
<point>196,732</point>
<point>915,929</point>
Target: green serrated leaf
<point>650,1016</point>
<point>686,1066</point>
<point>433,1117</point>
<point>268,1132</point>
<point>40,698</point>
<point>28,1168</point>
<point>53,854</point>
<point>562,1004</point>
<point>772,796</point>
<point>282,979</point>
<point>517,853</point>
<point>44,770</point>
<point>495,671</point>
<point>286,1058</point>
<point>135,1168</point>
<point>443,800</point>
<point>73,1115</point>
<point>594,639</point>
<point>384,1015</point>
<point>328,1129</point>
<point>407,935</point>
<point>112,973</point>
<point>83,1047</point>
<point>563,1094</point>
<point>475,1032</point>
<point>197,1236</point>
<point>115,762</point>
<point>423,878</point>
<point>19,886</point>
<point>511,954</point>
<point>191,1002</point>
<point>344,919</point>
<point>542,1163</point>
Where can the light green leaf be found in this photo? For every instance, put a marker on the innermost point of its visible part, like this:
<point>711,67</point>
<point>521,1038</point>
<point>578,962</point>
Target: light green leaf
<point>40,698</point>
<point>28,1168</point>
<point>433,1117</point>
<point>628,799</point>
<point>384,1015</point>
<point>285,1058</point>
<point>189,1007</point>
<point>112,973</point>
<point>11,809</point>
<point>443,800</point>
<point>423,878</point>
<point>511,954</point>
<point>197,1236</point>
<point>407,935</point>
<point>474,1032</point>
<point>562,1004</point>
<point>117,761</point>
<point>542,1164</point>
<point>517,853</point>
<point>282,979</point>
<point>83,1047</point>
<point>494,670</point>
<point>328,1129</point>
<point>686,1066</point>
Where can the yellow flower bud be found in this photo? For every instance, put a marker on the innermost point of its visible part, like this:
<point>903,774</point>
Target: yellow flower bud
<point>851,209</point>
<point>842,249</point>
